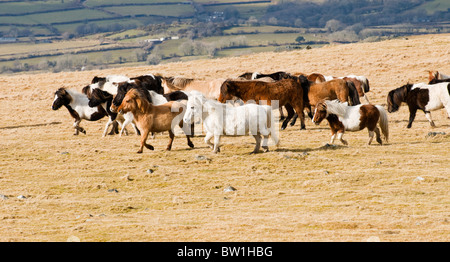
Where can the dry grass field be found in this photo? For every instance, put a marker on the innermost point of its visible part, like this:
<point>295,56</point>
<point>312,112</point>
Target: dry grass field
<point>55,186</point>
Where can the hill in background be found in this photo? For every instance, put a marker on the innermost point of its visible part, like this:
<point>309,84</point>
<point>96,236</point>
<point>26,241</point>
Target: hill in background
<point>60,35</point>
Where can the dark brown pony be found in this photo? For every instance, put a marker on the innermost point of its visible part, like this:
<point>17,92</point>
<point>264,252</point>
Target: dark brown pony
<point>285,91</point>
<point>339,89</point>
<point>151,118</point>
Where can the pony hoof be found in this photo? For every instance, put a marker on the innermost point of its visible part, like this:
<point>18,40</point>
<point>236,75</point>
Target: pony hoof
<point>139,152</point>
<point>265,149</point>
<point>191,145</point>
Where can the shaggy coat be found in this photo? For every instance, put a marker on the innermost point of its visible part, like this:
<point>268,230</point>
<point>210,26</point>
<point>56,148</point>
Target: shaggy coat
<point>77,105</point>
<point>420,96</point>
<point>285,91</point>
<point>342,117</point>
<point>151,118</point>
<point>339,89</point>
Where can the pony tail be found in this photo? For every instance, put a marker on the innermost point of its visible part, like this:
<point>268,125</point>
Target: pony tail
<point>354,96</point>
<point>384,123</point>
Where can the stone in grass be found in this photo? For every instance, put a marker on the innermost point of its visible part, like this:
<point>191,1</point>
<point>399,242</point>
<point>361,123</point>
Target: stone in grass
<point>229,189</point>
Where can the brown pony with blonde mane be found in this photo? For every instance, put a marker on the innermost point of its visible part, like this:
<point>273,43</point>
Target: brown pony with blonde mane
<point>211,89</point>
<point>151,118</point>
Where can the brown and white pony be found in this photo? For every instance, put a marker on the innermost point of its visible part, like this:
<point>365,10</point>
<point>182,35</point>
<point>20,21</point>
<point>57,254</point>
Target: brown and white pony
<point>285,91</point>
<point>211,89</point>
<point>342,117</point>
<point>152,118</point>
<point>420,96</point>
<point>77,105</point>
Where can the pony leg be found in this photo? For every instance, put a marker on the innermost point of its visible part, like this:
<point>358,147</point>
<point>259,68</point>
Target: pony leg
<point>110,122</point>
<point>371,133</point>
<point>208,137</point>
<point>428,116</point>
<point>412,115</point>
<point>258,144</point>
<point>171,137</point>
<point>144,136</point>
<point>377,132</point>
<point>216,143</point>
<point>339,136</point>
<point>333,136</point>
<point>77,127</point>
<point>115,128</point>
<point>291,113</point>
<point>264,144</point>
<point>282,117</point>
<point>189,131</point>
<point>300,113</point>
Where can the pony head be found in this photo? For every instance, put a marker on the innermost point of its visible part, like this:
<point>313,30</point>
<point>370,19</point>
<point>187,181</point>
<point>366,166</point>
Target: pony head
<point>122,90</point>
<point>99,97</point>
<point>396,97</point>
<point>62,98</point>
<point>194,106</point>
<point>320,112</point>
<point>134,101</point>
<point>228,92</point>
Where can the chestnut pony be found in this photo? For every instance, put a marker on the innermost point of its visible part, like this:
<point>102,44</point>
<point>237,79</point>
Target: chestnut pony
<point>152,118</point>
<point>285,91</point>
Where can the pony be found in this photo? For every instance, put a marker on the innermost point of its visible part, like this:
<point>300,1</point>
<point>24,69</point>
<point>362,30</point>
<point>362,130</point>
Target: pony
<point>155,98</point>
<point>314,77</point>
<point>210,88</point>
<point>342,117</point>
<point>275,76</point>
<point>432,75</point>
<point>77,105</point>
<point>285,91</point>
<point>361,83</point>
<point>107,87</point>
<point>420,96</point>
<point>226,120</point>
<point>339,89</point>
<point>152,118</point>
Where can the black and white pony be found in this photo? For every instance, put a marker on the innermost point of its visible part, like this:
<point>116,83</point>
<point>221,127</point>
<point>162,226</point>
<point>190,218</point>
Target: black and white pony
<point>102,90</point>
<point>78,106</point>
<point>420,96</point>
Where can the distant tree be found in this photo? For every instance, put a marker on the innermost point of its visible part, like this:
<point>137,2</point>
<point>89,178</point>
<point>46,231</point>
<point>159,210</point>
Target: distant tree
<point>334,25</point>
<point>300,39</point>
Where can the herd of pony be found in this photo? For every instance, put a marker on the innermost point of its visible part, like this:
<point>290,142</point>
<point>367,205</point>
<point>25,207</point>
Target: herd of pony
<point>244,105</point>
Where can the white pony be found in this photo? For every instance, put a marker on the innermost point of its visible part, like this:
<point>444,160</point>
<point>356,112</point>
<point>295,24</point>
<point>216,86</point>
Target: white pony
<point>224,119</point>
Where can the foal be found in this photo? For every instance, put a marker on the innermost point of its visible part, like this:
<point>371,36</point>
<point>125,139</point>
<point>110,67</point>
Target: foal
<point>152,118</point>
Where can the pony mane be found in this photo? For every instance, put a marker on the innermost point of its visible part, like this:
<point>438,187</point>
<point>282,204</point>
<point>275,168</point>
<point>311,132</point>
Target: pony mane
<point>336,107</point>
<point>179,82</point>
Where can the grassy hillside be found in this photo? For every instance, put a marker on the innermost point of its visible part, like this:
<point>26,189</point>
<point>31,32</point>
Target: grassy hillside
<point>57,187</point>
<point>52,35</point>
